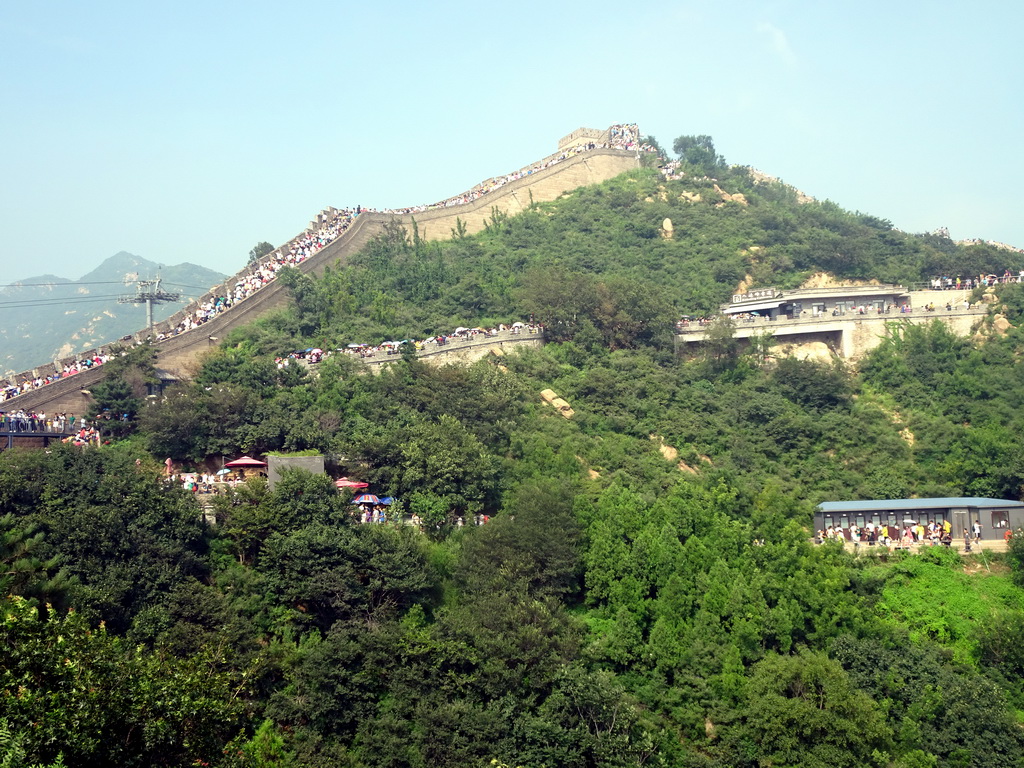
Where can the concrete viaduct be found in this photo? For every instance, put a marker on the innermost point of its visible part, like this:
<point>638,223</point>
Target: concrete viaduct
<point>849,336</point>
<point>179,355</point>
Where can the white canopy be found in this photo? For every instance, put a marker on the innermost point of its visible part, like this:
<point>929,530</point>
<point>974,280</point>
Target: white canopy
<point>754,306</point>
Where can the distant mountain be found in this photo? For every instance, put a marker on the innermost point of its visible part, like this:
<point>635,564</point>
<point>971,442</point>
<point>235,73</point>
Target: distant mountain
<point>46,317</point>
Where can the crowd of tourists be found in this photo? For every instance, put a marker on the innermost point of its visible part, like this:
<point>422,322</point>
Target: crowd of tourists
<point>209,482</point>
<point>947,283</point>
<point>252,280</point>
<point>688,323</point>
<point>385,511</point>
<point>77,431</point>
<point>479,519</point>
<point>315,355</point>
<point>371,513</point>
<point>10,390</point>
<point>624,137</point>
<point>37,421</point>
<point>910,534</point>
<point>84,436</point>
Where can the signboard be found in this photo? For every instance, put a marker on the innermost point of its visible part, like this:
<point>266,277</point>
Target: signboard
<point>762,293</point>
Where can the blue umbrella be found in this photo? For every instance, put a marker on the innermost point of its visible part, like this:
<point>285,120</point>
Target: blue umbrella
<point>386,500</point>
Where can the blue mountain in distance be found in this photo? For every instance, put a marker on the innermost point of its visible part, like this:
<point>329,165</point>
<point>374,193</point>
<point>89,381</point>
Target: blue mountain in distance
<point>47,317</point>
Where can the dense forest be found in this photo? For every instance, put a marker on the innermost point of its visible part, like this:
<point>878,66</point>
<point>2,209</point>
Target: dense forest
<point>645,592</point>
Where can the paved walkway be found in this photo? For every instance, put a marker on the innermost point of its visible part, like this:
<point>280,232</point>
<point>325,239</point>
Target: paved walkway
<point>864,548</point>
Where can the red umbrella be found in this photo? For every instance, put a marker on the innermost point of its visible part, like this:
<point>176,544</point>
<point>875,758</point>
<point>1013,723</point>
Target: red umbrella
<point>244,462</point>
<point>344,482</point>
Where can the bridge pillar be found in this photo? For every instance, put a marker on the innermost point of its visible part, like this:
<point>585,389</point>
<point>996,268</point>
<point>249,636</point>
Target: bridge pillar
<point>848,342</point>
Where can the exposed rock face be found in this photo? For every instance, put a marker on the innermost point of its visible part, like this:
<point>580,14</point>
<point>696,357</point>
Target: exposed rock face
<point>667,229</point>
<point>670,453</point>
<point>825,280</point>
<point>816,351</point>
<point>551,398</point>
<point>744,285</point>
<point>1000,325</point>
<point>727,198</point>
<point>760,177</point>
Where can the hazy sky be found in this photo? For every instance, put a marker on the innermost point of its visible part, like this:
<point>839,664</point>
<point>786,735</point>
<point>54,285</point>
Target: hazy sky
<point>189,131</point>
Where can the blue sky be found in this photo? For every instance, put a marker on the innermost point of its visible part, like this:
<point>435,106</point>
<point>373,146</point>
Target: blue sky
<point>190,131</point>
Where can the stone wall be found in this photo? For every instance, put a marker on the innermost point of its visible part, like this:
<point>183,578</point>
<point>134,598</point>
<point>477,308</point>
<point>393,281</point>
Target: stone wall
<point>276,465</point>
<point>863,335</point>
<point>180,355</point>
<point>582,136</point>
<point>465,352</point>
<point>549,184</point>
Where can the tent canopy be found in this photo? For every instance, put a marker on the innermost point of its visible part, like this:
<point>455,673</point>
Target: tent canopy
<point>244,462</point>
<point>754,306</point>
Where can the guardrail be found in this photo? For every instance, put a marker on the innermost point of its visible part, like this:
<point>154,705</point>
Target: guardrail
<point>756,321</point>
<point>453,344</point>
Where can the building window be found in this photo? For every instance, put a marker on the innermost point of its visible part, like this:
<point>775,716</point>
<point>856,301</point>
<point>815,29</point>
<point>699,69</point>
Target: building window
<point>1000,518</point>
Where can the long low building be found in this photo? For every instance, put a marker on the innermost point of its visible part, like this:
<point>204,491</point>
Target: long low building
<point>836,301</point>
<point>995,516</point>
<point>849,321</point>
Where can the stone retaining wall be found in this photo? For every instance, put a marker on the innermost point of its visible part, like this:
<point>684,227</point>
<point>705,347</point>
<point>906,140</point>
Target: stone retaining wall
<point>464,352</point>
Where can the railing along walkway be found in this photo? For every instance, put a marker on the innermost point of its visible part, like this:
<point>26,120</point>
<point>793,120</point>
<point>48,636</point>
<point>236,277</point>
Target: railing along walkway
<point>454,344</point>
<point>696,328</point>
<point>875,548</point>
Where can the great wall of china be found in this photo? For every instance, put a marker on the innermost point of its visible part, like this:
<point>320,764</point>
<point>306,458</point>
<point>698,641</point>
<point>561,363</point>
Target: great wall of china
<point>178,355</point>
<point>849,336</point>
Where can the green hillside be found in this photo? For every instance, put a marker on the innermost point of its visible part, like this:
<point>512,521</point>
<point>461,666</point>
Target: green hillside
<point>644,592</point>
<point>598,255</point>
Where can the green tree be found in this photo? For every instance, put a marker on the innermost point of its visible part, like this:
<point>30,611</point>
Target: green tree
<point>817,386</point>
<point>720,345</point>
<point>445,459</point>
<point>331,573</point>
<point>258,251</point>
<point>803,711</point>
<point>558,298</point>
<point>82,692</point>
<point>23,572</point>
<point>119,397</point>
<point>12,750</point>
<point>124,537</point>
<point>699,151</point>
